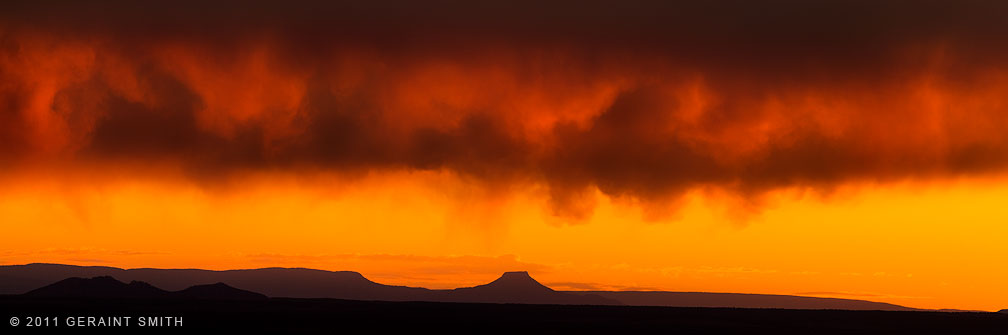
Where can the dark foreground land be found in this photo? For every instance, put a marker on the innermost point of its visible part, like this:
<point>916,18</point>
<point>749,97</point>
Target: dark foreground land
<point>347,315</point>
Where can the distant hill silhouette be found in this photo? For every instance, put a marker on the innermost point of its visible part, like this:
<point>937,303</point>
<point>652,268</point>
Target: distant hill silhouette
<point>519,287</point>
<point>110,288</point>
<point>1003,310</point>
<point>273,282</point>
<point>217,291</point>
<point>98,287</point>
<point>512,287</point>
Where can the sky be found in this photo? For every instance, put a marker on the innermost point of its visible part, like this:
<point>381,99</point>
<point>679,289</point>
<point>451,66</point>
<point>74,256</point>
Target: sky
<point>852,149</point>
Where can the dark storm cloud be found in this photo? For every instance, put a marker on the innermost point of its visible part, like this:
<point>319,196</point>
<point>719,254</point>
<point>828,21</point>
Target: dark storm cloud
<point>746,52</point>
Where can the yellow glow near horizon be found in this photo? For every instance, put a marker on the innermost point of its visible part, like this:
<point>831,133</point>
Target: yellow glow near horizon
<point>938,245</point>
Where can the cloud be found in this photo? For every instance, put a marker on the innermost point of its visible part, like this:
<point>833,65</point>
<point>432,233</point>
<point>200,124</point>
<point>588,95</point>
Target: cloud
<point>646,100</point>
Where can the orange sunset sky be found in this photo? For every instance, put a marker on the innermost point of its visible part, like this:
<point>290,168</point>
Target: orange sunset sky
<point>841,149</point>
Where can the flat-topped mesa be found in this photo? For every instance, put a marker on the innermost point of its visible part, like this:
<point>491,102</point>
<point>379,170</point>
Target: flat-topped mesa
<point>517,274</point>
<point>518,287</point>
<point>517,280</point>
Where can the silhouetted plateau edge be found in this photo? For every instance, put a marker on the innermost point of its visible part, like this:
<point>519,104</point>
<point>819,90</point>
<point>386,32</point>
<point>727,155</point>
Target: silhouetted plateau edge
<point>40,279</point>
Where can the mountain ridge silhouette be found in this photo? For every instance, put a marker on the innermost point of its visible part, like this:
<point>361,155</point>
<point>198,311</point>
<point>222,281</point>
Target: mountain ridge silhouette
<point>107,287</point>
<point>511,287</point>
<point>217,291</point>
